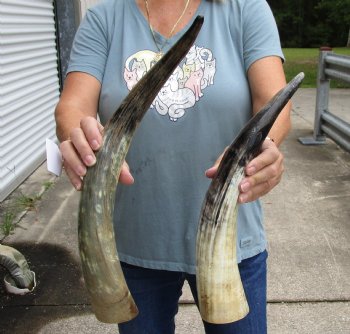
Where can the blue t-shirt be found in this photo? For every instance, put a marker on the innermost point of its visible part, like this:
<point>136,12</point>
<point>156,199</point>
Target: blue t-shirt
<point>195,116</point>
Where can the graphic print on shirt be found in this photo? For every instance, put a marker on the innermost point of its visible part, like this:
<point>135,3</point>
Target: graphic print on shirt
<point>186,85</point>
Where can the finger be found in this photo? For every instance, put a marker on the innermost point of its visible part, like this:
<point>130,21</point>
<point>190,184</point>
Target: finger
<point>253,187</point>
<point>74,178</point>
<point>82,146</point>
<point>71,158</point>
<point>125,176</point>
<point>211,172</point>
<point>269,154</point>
<point>258,191</point>
<point>92,130</point>
<point>270,172</point>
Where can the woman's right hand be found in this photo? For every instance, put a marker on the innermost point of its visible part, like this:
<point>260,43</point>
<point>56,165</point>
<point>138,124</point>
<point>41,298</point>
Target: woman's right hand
<point>78,152</point>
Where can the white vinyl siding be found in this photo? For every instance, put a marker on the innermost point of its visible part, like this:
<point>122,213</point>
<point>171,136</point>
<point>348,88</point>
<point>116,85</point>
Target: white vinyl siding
<point>29,87</point>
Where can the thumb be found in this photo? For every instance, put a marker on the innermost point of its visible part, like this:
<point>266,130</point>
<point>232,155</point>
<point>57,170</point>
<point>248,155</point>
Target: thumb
<point>125,176</point>
<point>212,171</point>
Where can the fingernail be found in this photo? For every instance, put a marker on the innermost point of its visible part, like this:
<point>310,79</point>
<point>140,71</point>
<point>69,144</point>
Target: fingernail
<point>95,145</point>
<point>243,198</point>
<point>251,170</point>
<point>130,175</point>
<point>77,186</point>
<point>90,160</point>
<point>81,171</point>
<point>209,171</point>
<point>245,186</point>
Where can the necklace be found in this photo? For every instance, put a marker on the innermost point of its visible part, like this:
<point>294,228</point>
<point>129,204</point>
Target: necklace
<point>160,52</point>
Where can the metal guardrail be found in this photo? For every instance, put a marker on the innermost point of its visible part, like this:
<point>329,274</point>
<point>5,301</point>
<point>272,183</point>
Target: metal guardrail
<point>331,66</point>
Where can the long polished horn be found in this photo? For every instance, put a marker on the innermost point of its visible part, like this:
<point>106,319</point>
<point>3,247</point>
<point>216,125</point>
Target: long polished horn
<point>220,291</point>
<point>110,297</point>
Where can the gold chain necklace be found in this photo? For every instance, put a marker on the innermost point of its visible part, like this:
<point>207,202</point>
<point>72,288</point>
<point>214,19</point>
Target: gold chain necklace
<point>160,52</point>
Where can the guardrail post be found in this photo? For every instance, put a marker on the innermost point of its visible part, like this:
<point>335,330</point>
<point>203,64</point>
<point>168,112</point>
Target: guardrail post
<point>322,100</point>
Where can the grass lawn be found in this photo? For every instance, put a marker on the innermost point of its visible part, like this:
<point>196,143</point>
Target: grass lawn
<point>305,60</point>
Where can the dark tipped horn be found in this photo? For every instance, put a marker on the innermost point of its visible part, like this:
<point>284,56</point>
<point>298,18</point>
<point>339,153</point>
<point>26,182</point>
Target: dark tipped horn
<point>221,296</point>
<point>110,297</point>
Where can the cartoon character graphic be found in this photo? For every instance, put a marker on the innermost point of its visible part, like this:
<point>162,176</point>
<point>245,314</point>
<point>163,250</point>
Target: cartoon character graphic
<point>194,83</point>
<point>184,88</point>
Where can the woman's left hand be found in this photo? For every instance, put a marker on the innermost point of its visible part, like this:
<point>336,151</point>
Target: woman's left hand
<point>263,173</point>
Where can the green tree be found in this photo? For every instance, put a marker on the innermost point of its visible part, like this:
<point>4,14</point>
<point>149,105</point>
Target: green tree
<point>312,23</point>
<point>336,17</point>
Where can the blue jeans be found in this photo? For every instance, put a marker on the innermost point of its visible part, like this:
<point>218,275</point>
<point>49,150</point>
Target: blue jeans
<point>157,292</point>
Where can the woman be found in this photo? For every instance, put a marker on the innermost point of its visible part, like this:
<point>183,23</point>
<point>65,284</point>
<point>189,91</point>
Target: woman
<point>233,69</point>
